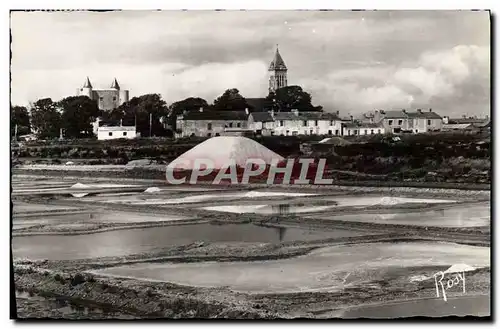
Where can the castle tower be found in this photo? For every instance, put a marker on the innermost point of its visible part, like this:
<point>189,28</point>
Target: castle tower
<point>115,85</point>
<point>86,90</point>
<point>277,73</point>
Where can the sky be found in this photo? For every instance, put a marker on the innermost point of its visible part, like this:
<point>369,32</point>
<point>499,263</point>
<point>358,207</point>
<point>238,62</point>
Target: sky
<point>349,61</point>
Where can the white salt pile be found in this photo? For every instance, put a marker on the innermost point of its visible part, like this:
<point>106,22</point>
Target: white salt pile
<point>222,149</point>
<point>152,190</point>
<point>459,268</point>
<point>79,185</point>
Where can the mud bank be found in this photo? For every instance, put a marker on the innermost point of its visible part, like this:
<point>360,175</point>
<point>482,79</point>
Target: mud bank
<point>137,298</point>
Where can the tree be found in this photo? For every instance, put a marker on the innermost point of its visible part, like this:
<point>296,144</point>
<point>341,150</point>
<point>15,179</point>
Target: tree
<point>45,118</point>
<point>78,114</point>
<point>230,100</point>
<point>292,97</point>
<point>188,104</point>
<point>140,109</point>
<point>19,116</point>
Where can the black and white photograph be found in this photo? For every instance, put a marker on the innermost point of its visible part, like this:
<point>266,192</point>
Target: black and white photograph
<point>251,164</point>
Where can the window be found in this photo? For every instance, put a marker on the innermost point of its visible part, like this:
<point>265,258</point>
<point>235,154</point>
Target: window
<point>287,132</point>
<point>124,133</point>
<point>329,132</point>
<point>110,134</point>
<point>400,122</point>
<point>390,122</point>
<point>355,132</point>
<point>114,98</point>
<point>332,122</point>
<point>366,131</point>
<point>349,132</point>
<point>416,131</point>
<point>101,98</point>
<point>379,131</point>
<point>428,122</point>
<point>230,125</point>
<point>295,133</point>
<point>238,125</point>
<point>336,132</point>
<point>372,131</point>
<point>304,123</point>
<point>281,123</point>
<point>316,123</point>
<point>209,134</point>
<point>209,126</point>
<point>311,131</point>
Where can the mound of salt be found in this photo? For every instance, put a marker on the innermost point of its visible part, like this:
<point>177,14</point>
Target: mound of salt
<point>222,149</point>
<point>152,190</point>
<point>79,195</point>
<point>79,185</point>
<point>459,268</point>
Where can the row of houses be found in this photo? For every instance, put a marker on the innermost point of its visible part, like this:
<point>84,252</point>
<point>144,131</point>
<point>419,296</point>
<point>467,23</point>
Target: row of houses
<point>216,123</point>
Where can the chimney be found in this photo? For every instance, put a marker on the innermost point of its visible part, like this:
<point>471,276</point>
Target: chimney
<point>338,113</point>
<point>404,111</point>
<point>352,119</point>
<point>246,110</point>
<point>430,110</point>
<point>201,109</point>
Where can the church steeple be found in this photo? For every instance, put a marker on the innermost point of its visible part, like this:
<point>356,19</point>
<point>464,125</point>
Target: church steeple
<point>115,84</point>
<point>277,72</point>
<point>278,63</point>
<point>87,84</point>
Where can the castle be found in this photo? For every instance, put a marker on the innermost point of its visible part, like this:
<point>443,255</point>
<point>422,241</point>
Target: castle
<point>107,99</point>
<point>277,73</point>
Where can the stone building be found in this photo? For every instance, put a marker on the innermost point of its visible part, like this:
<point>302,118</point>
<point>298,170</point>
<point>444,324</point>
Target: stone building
<point>211,123</point>
<point>277,73</point>
<point>107,99</point>
<point>414,122</point>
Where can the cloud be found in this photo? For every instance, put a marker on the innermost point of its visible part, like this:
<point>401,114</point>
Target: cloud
<point>437,78</point>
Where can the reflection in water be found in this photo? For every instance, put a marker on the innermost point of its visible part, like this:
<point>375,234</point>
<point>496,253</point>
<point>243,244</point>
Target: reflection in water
<point>144,240</point>
<point>281,209</point>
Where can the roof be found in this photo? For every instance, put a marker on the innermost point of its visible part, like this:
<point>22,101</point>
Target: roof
<point>261,116</point>
<point>277,63</point>
<point>457,126</point>
<point>334,141</point>
<point>215,115</point>
<point>306,116</point>
<point>116,128</point>
<point>87,84</point>
<point>362,125</point>
<point>115,84</point>
<point>424,115</point>
<point>259,104</point>
<point>394,114</point>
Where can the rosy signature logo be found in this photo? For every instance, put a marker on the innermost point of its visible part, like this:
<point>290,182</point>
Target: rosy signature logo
<point>445,282</point>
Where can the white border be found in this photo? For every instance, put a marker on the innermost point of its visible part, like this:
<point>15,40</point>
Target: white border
<point>186,4</point>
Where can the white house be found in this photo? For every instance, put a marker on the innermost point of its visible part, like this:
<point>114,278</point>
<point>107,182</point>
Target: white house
<point>116,132</point>
<point>363,128</point>
<point>306,123</point>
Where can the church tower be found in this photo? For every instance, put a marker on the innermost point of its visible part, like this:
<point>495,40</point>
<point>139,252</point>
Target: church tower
<point>86,90</point>
<point>277,72</point>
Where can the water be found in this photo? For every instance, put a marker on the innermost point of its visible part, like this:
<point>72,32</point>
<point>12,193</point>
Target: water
<point>470,216</point>
<point>459,306</point>
<point>325,269</point>
<point>125,242</point>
